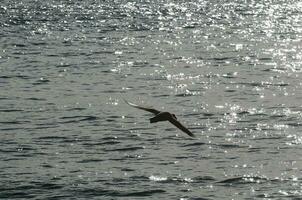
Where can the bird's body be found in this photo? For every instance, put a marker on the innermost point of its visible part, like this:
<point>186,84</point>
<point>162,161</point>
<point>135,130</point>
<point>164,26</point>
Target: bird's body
<point>163,116</point>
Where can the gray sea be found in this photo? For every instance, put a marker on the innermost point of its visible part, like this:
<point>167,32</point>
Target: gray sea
<point>230,70</point>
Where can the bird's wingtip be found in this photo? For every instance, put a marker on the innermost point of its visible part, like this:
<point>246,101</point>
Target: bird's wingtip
<point>192,135</point>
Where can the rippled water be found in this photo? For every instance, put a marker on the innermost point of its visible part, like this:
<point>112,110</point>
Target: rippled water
<point>230,70</point>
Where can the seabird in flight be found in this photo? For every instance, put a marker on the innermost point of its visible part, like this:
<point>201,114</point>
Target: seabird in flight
<point>163,116</point>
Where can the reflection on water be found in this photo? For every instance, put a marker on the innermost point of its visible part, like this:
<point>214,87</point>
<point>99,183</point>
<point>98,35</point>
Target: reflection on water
<point>229,70</point>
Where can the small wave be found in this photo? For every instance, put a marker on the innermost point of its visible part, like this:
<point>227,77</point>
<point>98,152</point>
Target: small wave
<point>194,144</point>
<point>161,95</point>
<point>5,77</point>
<point>144,193</point>
<point>11,129</point>
<point>128,170</point>
<point>78,116</point>
<point>244,112</point>
<point>7,150</point>
<point>125,149</point>
<point>189,26</point>
<point>89,118</point>
<point>263,84</point>
<point>15,194</point>
<point>15,76</point>
<point>74,119</point>
<point>208,115</point>
<point>76,109</point>
<point>268,138</point>
<point>41,81</point>
<point>110,143</point>
<point>115,193</point>
<point>188,93</point>
<point>243,180</point>
<point>11,110</point>
<point>202,179</point>
<point>297,124</point>
<point>171,179</point>
<point>109,138</point>
<point>255,149</point>
<point>101,143</point>
<point>63,65</point>
<point>90,160</point>
<point>36,99</point>
<point>47,166</point>
<point>221,58</point>
<point>158,178</point>
<point>50,186</point>
<point>226,146</point>
<point>36,43</point>
<point>199,179</point>
<point>52,138</point>
<point>14,122</point>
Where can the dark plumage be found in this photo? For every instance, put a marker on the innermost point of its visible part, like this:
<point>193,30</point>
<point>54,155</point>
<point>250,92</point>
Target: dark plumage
<point>163,116</point>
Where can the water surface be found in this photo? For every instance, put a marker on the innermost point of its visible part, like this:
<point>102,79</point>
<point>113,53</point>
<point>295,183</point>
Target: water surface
<point>229,70</point>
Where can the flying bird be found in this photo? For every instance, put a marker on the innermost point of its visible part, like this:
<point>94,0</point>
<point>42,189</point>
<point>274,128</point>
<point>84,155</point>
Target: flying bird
<point>163,116</point>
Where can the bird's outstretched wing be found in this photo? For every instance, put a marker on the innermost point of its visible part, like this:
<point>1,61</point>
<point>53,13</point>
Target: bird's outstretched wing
<point>154,111</point>
<point>181,127</point>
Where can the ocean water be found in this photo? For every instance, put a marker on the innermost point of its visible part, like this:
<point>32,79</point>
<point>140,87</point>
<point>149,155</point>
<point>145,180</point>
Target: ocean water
<point>229,70</point>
